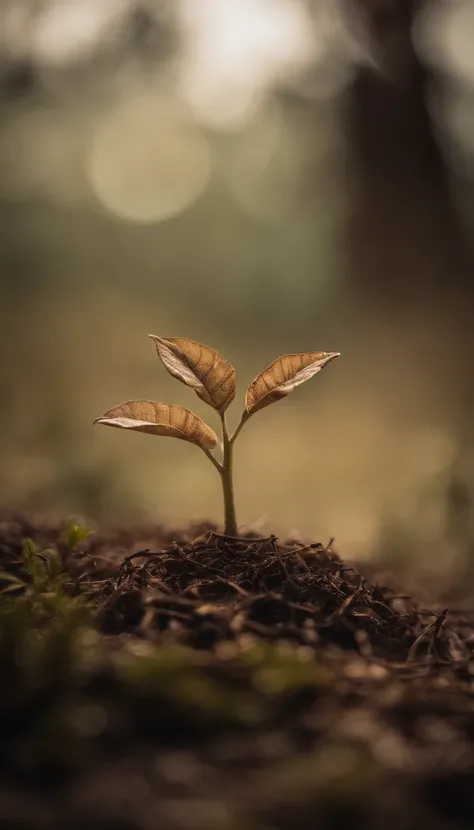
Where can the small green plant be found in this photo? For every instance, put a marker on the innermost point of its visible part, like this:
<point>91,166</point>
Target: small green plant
<point>39,589</point>
<point>73,534</point>
<point>213,380</point>
<point>43,568</point>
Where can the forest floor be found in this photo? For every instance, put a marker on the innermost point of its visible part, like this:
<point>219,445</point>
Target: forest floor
<point>185,680</point>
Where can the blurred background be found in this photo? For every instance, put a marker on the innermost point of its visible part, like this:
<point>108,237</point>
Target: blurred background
<point>265,176</point>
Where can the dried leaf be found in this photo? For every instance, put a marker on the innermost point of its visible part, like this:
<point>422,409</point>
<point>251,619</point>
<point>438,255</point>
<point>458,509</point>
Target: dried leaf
<point>198,366</point>
<point>160,419</point>
<point>282,376</point>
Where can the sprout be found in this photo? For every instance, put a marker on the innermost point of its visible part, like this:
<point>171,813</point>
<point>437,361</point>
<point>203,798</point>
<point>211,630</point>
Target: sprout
<point>213,380</point>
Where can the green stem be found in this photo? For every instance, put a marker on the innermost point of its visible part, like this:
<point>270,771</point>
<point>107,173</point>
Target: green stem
<point>230,527</point>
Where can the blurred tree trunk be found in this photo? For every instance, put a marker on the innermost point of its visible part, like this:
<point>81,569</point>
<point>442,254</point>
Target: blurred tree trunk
<point>408,257</point>
<point>406,242</point>
<point>409,260</point>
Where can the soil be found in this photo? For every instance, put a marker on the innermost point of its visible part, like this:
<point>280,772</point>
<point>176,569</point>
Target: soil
<point>186,680</point>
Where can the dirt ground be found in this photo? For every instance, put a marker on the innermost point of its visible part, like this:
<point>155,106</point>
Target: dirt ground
<point>185,680</point>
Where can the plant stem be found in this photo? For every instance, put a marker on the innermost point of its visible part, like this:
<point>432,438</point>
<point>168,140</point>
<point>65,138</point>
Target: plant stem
<point>213,460</point>
<point>230,527</point>
<point>243,421</point>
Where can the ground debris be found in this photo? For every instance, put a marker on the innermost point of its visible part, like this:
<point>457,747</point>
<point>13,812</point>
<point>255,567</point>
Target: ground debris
<point>216,587</point>
<point>230,682</point>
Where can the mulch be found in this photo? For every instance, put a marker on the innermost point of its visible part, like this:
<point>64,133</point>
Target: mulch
<point>384,737</point>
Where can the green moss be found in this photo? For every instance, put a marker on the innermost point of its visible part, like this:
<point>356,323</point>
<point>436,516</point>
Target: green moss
<point>245,689</point>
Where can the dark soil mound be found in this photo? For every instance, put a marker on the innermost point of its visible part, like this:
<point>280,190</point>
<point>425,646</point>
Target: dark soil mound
<point>192,680</point>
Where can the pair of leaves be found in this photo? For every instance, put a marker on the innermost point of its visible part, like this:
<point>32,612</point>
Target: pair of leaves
<point>213,379</point>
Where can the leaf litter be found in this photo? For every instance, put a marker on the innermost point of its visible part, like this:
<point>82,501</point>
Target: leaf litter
<point>249,682</point>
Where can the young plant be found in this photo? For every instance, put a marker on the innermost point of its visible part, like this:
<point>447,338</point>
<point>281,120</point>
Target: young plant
<point>213,380</point>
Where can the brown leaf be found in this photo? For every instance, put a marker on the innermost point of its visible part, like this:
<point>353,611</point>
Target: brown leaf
<point>198,366</point>
<point>160,419</point>
<point>282,376</point>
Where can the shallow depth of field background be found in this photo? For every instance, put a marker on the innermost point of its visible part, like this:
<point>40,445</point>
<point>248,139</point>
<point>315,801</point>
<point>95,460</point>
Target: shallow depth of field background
<point>265,176</point>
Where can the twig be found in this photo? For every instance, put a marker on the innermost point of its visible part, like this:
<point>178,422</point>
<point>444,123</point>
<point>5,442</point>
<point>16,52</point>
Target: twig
<point>232,584</point>
<point>344,607</point>
<point>126,562</point>
<point>433,629</point>
<point>244,539</point>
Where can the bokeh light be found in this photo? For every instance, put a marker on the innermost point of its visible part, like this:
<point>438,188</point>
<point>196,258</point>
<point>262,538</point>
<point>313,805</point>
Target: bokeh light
<point>443,35</point>
<point>61,31</point>
<point>233,51</point>
<point>147,161</point>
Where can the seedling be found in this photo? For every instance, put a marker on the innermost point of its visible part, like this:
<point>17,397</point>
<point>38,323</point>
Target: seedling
<point>73,534</point>
<point>213,380</point>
